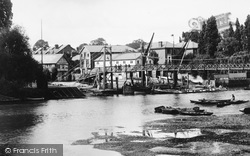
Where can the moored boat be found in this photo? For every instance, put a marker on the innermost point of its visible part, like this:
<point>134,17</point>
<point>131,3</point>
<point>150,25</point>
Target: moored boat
<point>195,113</point>
<point>245,110</point>
<point>238,101</point>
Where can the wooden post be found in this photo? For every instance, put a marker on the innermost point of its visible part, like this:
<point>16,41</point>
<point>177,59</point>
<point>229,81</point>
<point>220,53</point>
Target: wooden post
<point>104,68</point>
<point>116,80</point>
<point>111,68</point>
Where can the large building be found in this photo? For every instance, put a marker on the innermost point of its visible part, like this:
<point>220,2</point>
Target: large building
<point>51,61</point>
<point>90,53</point>
<point>167,51</point>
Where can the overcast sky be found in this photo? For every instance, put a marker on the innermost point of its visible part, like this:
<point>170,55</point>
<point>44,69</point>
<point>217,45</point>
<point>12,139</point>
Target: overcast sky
<point>117,21</point>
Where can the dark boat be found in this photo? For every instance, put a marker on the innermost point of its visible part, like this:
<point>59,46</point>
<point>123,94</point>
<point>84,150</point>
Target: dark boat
<point>195,113</point>
<point>238,101</point>
<point>245,110</point>
<point>171,110</point>
<point>159,109</point>
<point>128,88</point>
<point>209,102</point>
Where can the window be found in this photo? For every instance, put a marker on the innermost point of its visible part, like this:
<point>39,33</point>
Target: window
<point>117,62</point>
<point>131,61</point>
<point>124,62</point>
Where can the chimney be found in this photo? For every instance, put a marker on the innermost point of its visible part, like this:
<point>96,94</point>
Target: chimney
<point>57,46</point>
<point>160,44</point>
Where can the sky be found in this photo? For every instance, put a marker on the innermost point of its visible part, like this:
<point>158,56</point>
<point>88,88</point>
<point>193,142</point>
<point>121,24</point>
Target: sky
<point>119,22</point>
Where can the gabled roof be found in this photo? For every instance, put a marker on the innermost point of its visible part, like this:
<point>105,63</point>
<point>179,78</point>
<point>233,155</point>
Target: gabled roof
<point>114,48</point>
<point>190,45</point>
<point>48,59</point>
<point>121,56</point>
<point>165,44</point>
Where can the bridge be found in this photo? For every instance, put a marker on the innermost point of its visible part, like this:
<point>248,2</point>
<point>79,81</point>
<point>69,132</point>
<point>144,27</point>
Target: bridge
<point>183,67</point>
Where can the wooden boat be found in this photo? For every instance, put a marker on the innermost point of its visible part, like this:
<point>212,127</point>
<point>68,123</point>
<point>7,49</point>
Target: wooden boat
<point>170,110</point>
<point>209,102</point>
<point>159,109</point>
<point>238,101</point>
<point>34,99</point>
<point>127,88</point>
<point>195,113</point>
<point>245,110</point>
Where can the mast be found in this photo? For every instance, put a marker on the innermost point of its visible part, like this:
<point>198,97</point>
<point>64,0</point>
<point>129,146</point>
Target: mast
<point>42,43</point>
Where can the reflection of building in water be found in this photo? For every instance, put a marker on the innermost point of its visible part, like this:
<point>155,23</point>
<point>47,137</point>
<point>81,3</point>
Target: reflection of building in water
<point>222,22</point>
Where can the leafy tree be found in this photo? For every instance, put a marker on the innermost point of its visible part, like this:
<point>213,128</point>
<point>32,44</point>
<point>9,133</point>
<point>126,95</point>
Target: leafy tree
<point>18,66</point>
<point>154,56</point>
<point>193,36</point>
<point>228,46</point>
<point>237,36</point>
<point>201,40</point>
<point>99,41</point>
<point>247,31</point>
<point>212,36</point>
<point>243,38</point>
<point>136,44</point>
<point>231,30</point>
<point>79,48</point>
<point>5,14</point>
<point>39,44</point>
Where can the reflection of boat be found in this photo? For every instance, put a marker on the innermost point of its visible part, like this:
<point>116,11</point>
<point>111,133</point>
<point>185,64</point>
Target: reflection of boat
<point>222,104</point>
<point>245,110</point>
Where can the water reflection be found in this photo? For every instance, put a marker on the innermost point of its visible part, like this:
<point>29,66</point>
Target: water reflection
<point>65,121</point>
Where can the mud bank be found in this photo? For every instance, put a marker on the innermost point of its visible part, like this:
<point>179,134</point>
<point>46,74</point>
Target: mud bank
<point>210,135</point>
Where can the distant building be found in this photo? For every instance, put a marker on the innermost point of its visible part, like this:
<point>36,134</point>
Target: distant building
<point>121,59</point>
<point>54,60</point>
<point>62,49</point>
<point>90,53</point>
<point>167,51</point>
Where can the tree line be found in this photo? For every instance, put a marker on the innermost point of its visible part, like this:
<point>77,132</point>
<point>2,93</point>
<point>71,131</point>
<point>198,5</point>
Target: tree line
<point>231,44</point>
<point>17,67</point>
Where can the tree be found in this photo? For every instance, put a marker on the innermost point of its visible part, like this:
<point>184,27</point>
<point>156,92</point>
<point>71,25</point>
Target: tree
<point>230,30</point>
<point>41,44</point>
<point>5,14</point>
<point>99,41</point>
<point>193,36</point>
<point>228,46</point>
<point>154,56</point>
<point>19,67</point>
<point>237,36</point>
<point>136,44</point>
<point>201,41</point>
<point>212,37</point>
<point>247,31</point>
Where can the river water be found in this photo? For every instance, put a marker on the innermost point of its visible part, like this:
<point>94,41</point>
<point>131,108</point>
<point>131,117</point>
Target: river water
<point>66,121</point>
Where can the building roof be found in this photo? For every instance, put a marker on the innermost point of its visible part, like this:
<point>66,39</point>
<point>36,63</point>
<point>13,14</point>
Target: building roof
<point>48,59</point>
<point>121,56</point>
<point>190,45</point>
<point>114,48</point>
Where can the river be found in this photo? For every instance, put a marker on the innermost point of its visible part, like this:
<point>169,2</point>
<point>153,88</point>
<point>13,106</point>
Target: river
<point>66,121</point>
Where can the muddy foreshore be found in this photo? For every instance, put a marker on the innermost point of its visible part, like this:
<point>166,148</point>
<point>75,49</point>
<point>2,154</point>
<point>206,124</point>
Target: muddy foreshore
<point>214,135</point>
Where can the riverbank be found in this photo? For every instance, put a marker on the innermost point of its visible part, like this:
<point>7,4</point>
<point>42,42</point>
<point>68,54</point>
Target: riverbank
<point>209,135</point>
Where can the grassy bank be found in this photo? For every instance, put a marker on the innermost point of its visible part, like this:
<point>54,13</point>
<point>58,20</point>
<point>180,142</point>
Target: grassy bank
<point>217,135</point>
